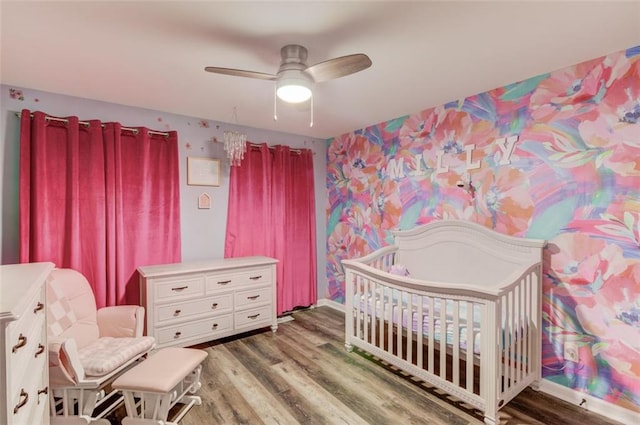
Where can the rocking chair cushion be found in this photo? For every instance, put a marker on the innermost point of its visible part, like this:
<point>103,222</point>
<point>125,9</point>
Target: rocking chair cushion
<point>60,316</point>
<point>107,354</point>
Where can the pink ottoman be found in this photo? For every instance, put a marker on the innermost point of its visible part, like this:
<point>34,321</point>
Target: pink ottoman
<point>170,376</point>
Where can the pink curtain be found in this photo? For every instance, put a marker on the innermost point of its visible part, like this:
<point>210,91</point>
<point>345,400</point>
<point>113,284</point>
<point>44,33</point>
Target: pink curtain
<point>271,212</point>
<point>100,199</point>
<point>250,189</point>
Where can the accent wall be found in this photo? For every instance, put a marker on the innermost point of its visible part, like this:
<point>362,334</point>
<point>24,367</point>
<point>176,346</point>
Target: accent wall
<point>554,157</point>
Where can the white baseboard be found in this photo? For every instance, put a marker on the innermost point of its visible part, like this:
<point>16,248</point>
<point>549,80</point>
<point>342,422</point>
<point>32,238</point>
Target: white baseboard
<point>330,303</point>
<point>590,403</point>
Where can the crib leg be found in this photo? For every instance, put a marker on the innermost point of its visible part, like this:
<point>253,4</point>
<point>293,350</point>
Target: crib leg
<point>348,347</point>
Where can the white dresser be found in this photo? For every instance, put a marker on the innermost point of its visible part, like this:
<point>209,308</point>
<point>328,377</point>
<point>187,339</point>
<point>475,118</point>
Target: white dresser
<point>194,302</point>
<point>24,377</point>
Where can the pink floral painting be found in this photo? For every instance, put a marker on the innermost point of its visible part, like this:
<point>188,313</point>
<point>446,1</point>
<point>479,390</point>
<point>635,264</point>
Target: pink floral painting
<point>571,176</point>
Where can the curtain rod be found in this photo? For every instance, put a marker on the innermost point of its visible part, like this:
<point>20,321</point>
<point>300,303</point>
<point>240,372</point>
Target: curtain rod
<point>85,123</point>
<point>257,145</point>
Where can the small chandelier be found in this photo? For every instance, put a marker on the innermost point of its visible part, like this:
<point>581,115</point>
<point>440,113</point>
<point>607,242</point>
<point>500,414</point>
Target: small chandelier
<point>235,143</point>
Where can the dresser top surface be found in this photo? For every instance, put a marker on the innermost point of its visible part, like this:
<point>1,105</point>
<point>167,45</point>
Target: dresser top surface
<point>217,264</point>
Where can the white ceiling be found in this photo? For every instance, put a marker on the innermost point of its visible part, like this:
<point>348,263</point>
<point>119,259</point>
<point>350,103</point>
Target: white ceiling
<point>152,54</point>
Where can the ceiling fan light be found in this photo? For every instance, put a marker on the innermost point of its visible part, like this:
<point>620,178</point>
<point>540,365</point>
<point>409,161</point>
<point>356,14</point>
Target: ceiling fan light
<point>294,88</point>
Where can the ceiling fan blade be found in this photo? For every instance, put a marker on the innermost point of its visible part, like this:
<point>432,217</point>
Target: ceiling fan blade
<point>240,73</point>
<point>338,67</point>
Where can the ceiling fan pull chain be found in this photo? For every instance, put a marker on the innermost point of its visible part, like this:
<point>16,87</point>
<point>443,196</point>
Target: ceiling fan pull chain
<point>275,104</point>
<point>311,123</point>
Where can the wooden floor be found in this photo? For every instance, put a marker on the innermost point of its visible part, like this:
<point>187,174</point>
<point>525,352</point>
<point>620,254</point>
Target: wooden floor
<point>303,375</point>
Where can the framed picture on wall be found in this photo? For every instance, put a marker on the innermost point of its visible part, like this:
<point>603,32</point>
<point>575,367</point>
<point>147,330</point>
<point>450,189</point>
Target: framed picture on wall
<point>203,171</point>
<point>204,201</point>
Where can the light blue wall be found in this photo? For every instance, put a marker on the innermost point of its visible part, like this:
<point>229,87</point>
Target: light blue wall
<point>202,230</point>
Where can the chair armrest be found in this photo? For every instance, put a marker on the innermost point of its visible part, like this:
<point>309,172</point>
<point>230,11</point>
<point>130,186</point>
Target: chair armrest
<point>121,321</point>
<point>65,368</point>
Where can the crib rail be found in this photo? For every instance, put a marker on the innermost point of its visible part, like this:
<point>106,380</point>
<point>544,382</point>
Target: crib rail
<point>480,347</point>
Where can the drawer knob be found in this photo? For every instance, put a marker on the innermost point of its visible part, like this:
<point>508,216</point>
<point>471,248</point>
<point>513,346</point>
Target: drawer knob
<point>215,326</point>
<point>254,297</point>
<point>40,350</point>
<point>214,305</point>
<point>39,307</point>
<point>177,312</point>
<point>180,288</point>
<point>22,341</point>
<point>253,317</point>
<point>224,282</point>
<point>256,277</point>
<point>25,398</point>
<point>177,335</point>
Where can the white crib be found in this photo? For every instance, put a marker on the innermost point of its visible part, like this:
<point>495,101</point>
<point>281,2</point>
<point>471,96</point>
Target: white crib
<point>466,318</point>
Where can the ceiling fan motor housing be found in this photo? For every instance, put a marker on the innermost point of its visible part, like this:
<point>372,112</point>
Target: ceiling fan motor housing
<point>294,53</point>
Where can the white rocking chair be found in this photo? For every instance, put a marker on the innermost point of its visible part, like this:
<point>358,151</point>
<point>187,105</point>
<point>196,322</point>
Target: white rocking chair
<point>88,349</point>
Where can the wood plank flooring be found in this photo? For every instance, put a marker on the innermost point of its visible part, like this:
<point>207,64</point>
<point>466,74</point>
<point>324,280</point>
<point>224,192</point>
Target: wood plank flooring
<point>303,375</point>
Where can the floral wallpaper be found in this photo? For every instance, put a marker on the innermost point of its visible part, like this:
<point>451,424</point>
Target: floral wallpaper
<point>554,157</point>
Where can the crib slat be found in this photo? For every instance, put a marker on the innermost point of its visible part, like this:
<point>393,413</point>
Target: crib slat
<point>529,294</point>
<point>507,341</point>
<point>366,297</point>
<point>374,311</point>
<point>519,331</point>
<point>382,315</point>
<point>456,342</point>
<point>410,316</point>
<point>399,311</point>
<point>358,306</point>
<point>420,332</point>
<point>432,331</point>
<point>513,336</point>
<point>390,321</point>
<point>443,338</point>
<point>470,346</point>
<point>501,335</point>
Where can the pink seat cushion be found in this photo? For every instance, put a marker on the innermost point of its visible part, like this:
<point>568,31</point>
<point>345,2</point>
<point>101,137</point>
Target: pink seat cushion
<point>107,354</point>
<point>162,371</point>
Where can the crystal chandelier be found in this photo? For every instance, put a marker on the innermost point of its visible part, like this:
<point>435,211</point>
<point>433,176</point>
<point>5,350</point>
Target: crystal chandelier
<point>235,145</point>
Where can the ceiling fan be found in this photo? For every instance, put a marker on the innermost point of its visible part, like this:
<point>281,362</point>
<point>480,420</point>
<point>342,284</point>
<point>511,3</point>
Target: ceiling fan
<point>294,78</point>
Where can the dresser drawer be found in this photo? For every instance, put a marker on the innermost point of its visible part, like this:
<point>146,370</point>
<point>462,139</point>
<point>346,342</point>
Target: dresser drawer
<point>223,281</point>
<point>30,393</point>
<point>27,346</point>
<point>34,316</point>
<point>210,305</point>
<point>233,280</point>
<point>253,297</point>
<point>253,318</point>
<point>179,288</point>
<point>256,276</point>
<point>176,334</point>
